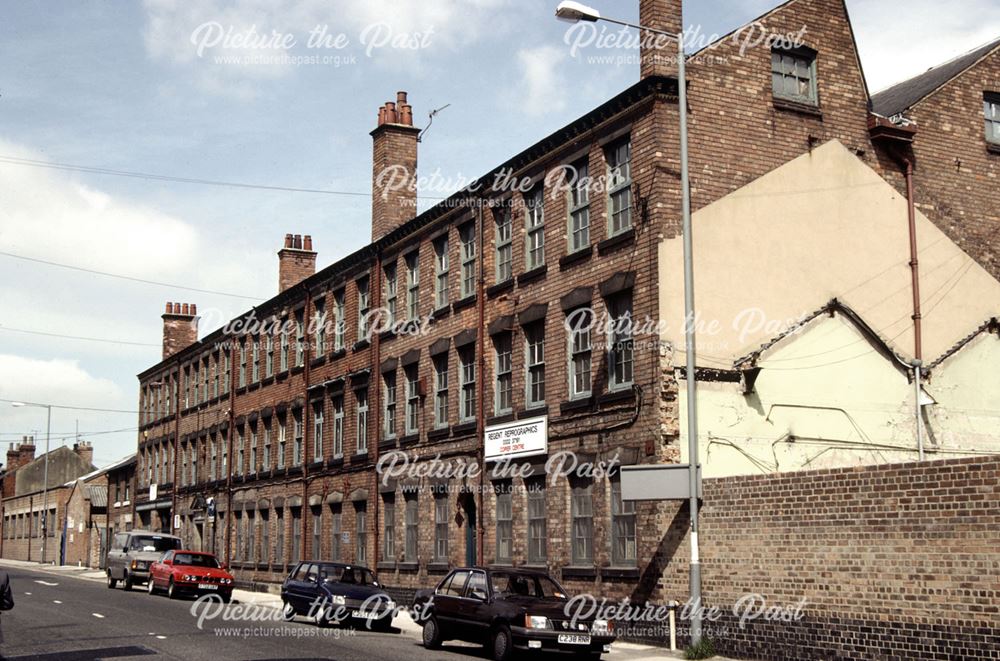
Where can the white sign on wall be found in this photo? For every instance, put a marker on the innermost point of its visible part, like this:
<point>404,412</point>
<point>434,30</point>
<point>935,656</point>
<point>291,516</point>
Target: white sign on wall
<point>152,492</point>
<point>520,438</point>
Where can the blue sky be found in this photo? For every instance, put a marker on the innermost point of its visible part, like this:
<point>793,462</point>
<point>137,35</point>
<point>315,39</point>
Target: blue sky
<point>120,85</point>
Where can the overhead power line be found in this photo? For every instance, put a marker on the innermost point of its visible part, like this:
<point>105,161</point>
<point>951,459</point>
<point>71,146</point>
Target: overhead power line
<point>13,160</point>
<point>71,408</point>
<point>76,337</point>
<point>127,277</point>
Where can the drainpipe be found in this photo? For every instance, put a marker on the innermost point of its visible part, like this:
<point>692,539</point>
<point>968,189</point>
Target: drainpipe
<point>480,377</point>
<point>375,394</point>
<point>916,395</point>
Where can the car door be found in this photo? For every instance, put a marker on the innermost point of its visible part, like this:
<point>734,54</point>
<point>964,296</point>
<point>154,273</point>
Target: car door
<point>295,588</point>
<point>473,614</point>
<point>116,556</point>
<point>447,599</point>
<point>159,570</point>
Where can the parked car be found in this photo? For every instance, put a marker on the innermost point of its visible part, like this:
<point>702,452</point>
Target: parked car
<point>333,592</point>
<point>507,610</point>
<point>190,572</point>
<point>132,553</point>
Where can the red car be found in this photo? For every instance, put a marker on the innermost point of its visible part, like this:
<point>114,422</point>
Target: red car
<point>190,572</point>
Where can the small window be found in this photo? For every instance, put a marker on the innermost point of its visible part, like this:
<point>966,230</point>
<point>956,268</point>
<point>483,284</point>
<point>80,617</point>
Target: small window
<point>623,547</point>
<point>467,234</point>
<point>336,519</point>
<point>579,207</point>
<point>413,286</point>
<point>620,349</point>
<point>412,399</point>
<point>582,518</point>
<point>534,337</point>
<point>441,527</point>
<point>467,377</point>
<point>389,528</point>
<point>391,293</point>
<point>619,158</point>
<point>362,428</point>
<point>441,390</point>
<point>389,405</point>
<point>441,269</point>
<point>504,244</point>
<point>412,518</point>
<point>340,322</point>
<point>793,75</point>
<point>504,386</point>
<point>537,534</point>
<point>991,111</point>
<point>505,524</point>
<point>338,426</point>
<point>579,323</point>
<point>363,303</point>
<point>534,225</point>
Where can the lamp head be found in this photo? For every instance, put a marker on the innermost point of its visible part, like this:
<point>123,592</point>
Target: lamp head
<point>572,12</point>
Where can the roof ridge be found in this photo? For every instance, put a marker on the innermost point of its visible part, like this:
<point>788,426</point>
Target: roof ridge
<point>995,41</point>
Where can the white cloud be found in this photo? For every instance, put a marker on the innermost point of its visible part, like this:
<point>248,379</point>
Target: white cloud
<point>399,36</point>
<point>545,88</point>
<point>57,382</point>
<point>894,48</point>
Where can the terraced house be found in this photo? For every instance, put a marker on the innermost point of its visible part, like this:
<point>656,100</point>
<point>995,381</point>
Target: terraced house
<point>264,442</point>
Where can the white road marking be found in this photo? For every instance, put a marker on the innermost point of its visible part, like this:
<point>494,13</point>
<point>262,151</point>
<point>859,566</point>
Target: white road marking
<point>46,583</point>
<point>98,615</point>
<point>28,593</point>
<point>56,601</point>
<point>162,637</point>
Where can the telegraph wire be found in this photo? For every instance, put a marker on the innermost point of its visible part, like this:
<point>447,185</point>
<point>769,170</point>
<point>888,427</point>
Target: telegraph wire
<point>67,407</point>
<point>76,337</point>
<point>127,277</point>
<point>12,160</point>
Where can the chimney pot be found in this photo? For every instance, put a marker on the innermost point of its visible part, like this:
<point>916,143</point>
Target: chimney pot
<point>406,115</point>
<point>184,308</point>
<point>394,148</point>
<point>307,243</point>
<point>288,240</point>
<point>390,112</point>
<point>170,308</point>
<point>294,267</point>
<point>297,242</point>
<point>194,309</point>
<point>400,98</point>
<point>177,307</point>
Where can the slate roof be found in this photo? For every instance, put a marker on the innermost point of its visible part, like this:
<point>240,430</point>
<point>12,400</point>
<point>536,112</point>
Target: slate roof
<point>905,95</point>
<point>98,495</point>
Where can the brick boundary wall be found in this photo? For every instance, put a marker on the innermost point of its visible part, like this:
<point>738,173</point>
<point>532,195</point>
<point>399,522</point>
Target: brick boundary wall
<point>899,561</point>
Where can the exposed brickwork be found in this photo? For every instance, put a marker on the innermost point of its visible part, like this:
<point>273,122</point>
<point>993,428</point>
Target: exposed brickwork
<point>22,536</point>
<point>180,327</point>
<point>296,261</point>
<point>956,172</point>
<point>394,165</point>
<point>658,54</point>
<point>895,561</point>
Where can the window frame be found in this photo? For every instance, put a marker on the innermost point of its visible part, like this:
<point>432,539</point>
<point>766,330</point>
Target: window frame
<point>991,106</point>
<point>503,220</point>
<point>798,55</point>
<point>534,364</point>
<point>442,273</point>
<point>441,385</point>
<point>578,206</point>
<point>468,254</point>
<point>534,228</point>
<point>503,372</point>
<point>619,185</point>
<point>389,394</point>
<point>361,437</point>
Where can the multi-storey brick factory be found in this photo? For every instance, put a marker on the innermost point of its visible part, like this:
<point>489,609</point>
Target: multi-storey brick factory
<point>262,441</point>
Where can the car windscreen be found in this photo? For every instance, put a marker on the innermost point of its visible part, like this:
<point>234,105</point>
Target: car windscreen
<point>526,585</point>
<point>153,543</point>
<point>196,560</point>
<point>349,575</point>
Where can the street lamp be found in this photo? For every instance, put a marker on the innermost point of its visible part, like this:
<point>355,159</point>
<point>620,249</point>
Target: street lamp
<point>574,12</point>
<point>45,477</point>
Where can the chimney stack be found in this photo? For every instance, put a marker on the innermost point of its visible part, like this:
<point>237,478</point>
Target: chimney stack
<point>180,327</point>
<point>394,167</point>
<point>86,451</point>
<point>657,53</point>
<point>296,261</point>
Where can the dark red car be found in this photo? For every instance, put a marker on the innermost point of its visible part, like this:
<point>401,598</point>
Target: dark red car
<point>192,573</point>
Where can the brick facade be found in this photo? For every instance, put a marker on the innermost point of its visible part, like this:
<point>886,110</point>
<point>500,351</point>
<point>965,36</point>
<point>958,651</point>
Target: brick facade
<point>739,131</point>
<point>894,561</point>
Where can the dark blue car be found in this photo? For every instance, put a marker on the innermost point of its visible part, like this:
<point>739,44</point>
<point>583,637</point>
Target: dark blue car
<point>333,593</point>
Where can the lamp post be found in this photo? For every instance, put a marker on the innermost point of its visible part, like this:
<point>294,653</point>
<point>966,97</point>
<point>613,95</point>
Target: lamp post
<point>45,477</point>
<point>573,12</point>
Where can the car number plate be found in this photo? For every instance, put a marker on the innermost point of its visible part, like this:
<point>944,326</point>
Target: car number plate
<point>207,586</point>
<point>574,639</point>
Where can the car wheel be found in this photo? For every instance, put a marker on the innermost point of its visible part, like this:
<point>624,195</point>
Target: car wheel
<point>171,590</point>
<point>502,643</point>
<point>150,588</point>
<point>112,582</point>
<point>287,612</point>
<point>384,623</point>
<point>226,597</point>
<point>127,582</point>
<point>322,617</point>
<point>432,633</point>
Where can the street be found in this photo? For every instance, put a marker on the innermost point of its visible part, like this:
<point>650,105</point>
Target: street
<point>60,615</point>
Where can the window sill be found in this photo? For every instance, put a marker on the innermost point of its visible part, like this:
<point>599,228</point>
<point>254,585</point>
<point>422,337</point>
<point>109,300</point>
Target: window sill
<point>464,429</point>
<point>438,568</point>
<point>617,396</point>
<point>536,273</point>
<point>798,107</point>
<point>339,353</point>
<point>267,380</point>
<point>616,241</point>
<point>316,465</point>
<point>316,362</point>
<point>573,405</point>
<point>993,147</point>
<point>278,472</point>
<point>579,573</point>
<point>413,567</point>
<point>436,434</point>
<point>385,566</point>
<point>576,257</point>
<point>387,444</point>
<point>497,419</point>
<point>335,462</point>
<point>297,369</point>
<point>500,288</point>
<point>441,313</point>
<point>409,439</point>
<point>362,344</point>
<point>294,470</point>
<point>359,457</point>
<point>620,573</point>
<point>463,303</point>
<point>533,412</point>
<point>387,335</point>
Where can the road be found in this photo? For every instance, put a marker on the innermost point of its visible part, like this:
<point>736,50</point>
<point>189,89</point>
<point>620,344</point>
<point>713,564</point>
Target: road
<point>61,617</point>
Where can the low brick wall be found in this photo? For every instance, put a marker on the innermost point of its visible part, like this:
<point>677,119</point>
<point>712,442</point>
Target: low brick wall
<point>894,561</point>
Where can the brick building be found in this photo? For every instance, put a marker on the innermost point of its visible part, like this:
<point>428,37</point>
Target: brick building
<point>263,440</point>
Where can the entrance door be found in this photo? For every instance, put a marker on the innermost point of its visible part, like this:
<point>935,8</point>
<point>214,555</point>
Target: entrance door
<point>102,556</point>
<point>199,536</point>
<point>470,532</point>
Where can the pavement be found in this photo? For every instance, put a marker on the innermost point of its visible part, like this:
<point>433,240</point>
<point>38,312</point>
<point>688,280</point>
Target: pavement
<point>69,614</point>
